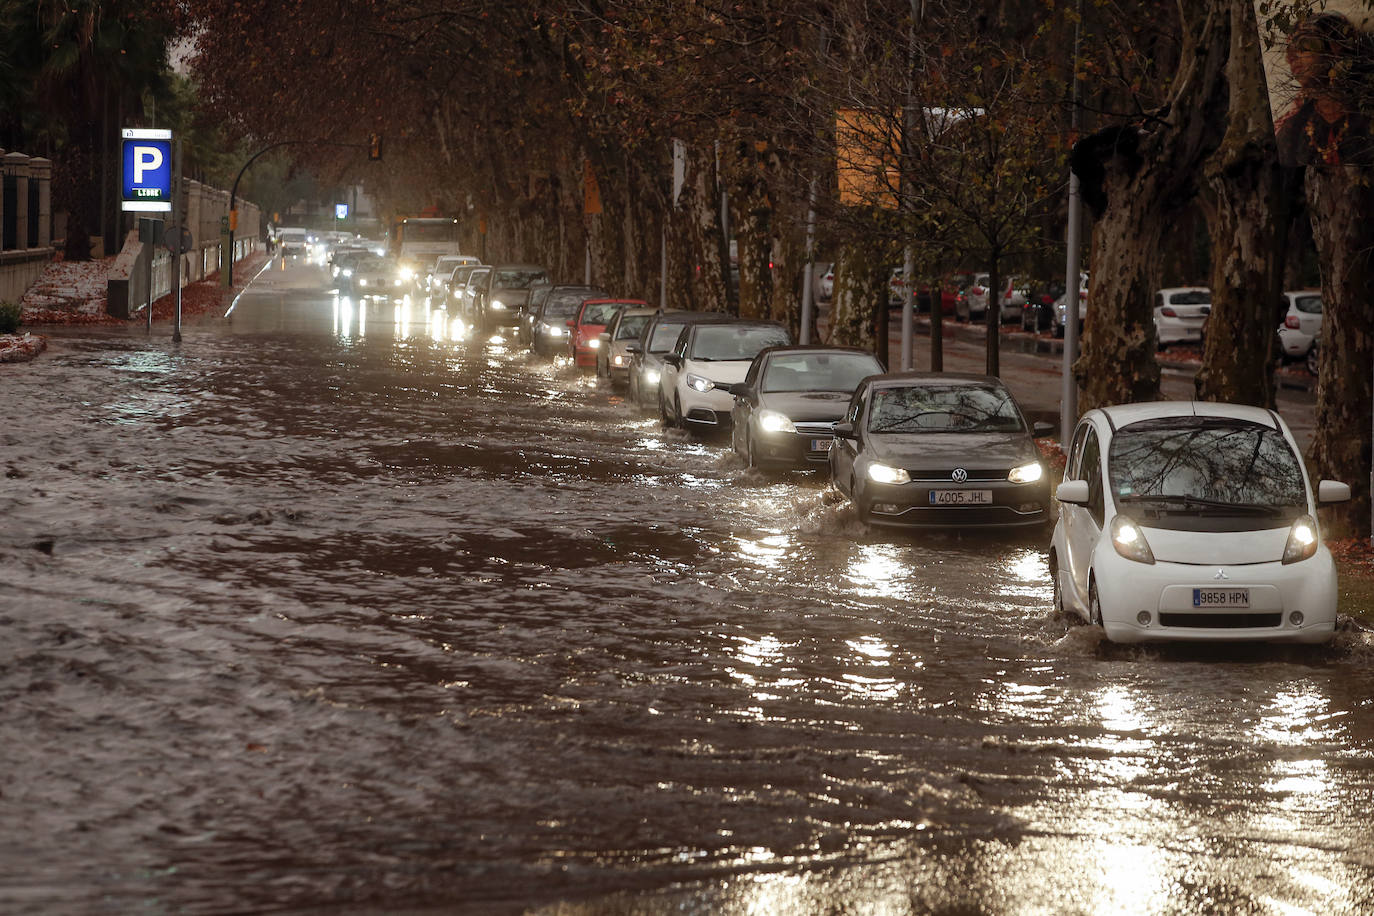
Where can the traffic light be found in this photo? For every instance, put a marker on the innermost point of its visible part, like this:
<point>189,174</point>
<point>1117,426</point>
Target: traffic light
<point>374,147</point>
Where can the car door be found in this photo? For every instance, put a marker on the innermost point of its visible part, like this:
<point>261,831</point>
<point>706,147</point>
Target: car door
<point>1083,525</point>
<point>844,451</point>
<point>746,401</point>
<point>669,373</point>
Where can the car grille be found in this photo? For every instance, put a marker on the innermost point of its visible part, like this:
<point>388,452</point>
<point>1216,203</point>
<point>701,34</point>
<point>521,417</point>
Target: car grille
<point>702,415</point>
<point>815,429</point>
<point>1222,621</point>
<point>944,474</point>
<point>957,516</point>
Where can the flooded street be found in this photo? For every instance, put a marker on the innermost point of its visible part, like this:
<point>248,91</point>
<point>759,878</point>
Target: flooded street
<point>340,609</point>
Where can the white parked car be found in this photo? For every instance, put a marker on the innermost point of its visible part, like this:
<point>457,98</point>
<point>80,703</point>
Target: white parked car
<point>1180,313</point>
<point>1192,521</point>
<point>1302,325</point>
<point>695,390</point>
<point>1059,317</point>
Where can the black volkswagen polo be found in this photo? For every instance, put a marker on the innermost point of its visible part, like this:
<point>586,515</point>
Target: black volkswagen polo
<point>940,450</point>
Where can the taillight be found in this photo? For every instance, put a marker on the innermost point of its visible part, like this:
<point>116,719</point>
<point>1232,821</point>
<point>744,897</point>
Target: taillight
<point>1292,322</point>
<point>1168,312</point>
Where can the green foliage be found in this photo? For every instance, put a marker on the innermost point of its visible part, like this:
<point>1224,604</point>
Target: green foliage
<point>9,317</point>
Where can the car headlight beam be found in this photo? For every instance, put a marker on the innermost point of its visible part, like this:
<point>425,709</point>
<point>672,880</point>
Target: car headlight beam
<point>497,305</point>
<point>1026,473</point>
<point>1129,540</point>
<point>771,421</point>
<point>1302,540</point>
<point>882,473</point>
<point>699,382</point>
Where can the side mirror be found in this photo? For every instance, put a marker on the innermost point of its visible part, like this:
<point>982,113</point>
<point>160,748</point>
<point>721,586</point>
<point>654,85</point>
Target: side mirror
<point>672,359</point>
<point>571,323</point>
<point>729,387</point>
<point>604,337</point>
<point>1073,491</point>
<point>1333,491</point>
<point>843,430</point>
<point>633,348</point>
<point>1041,429</point>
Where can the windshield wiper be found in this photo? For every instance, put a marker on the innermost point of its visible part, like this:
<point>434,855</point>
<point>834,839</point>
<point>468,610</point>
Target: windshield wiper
<point>1203,503</point>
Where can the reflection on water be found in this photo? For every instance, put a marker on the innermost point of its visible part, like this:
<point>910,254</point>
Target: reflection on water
<point>323,612</point>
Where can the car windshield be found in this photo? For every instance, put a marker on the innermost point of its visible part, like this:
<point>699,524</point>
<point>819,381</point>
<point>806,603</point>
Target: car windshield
<point>1191,297</point>
<point>730,342</point>
<point>818,371</point>
<point>601,312</point>
<point>631,326</point>
<point>564,306</point>
<point>519,279</point>
<point>936,408</point>
<point>1311,305</point>
<point>665,335</point>
<point>374,264</point>
<point>1209,462</point>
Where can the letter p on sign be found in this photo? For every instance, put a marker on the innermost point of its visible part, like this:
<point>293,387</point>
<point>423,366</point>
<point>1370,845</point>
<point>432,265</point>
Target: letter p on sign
<point>147,178</point>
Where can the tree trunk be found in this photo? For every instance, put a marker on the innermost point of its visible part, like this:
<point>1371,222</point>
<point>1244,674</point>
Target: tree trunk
<point>700,205</point>
<point>753,230</point>
<point>860,283</point>
<point>1135,178</point>
<point>1340,203</point>
<point>1248,229</point>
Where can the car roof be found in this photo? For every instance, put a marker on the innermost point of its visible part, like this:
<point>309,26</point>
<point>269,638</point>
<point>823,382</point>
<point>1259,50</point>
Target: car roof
<point>815,348</point>
<point>1126,414</point>
<point>623,301</point>
<point>896,379</point>
<point>518,266</point>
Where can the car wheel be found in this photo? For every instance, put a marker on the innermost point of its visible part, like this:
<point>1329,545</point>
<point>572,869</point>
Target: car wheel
<point>677,413</point>
<point>1094,605</point>
<point>1058,592</point>
<point>663,419</point>
<point>753,455</point>
<point>1314,359</point>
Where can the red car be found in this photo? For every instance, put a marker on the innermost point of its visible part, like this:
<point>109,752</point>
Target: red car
<point>584,337</point>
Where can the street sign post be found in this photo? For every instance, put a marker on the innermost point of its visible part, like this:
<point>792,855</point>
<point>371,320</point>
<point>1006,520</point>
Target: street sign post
<point>147,171</point>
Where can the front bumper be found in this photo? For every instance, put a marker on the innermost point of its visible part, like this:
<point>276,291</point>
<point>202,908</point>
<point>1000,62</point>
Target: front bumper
<point>707,410</point>
<point>916,504</point>
<point>1164,592</point>
<point>794,450</point>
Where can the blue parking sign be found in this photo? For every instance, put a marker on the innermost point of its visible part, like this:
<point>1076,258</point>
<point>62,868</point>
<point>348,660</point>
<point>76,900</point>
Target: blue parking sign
<point>147,182</point>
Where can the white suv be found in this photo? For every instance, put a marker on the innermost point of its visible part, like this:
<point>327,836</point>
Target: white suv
<point>710,356</point>
<point>1302,326</point>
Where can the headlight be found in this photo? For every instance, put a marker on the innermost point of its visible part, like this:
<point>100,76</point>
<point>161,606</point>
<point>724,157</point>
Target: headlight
<point>497,305</point>
<point>407,273</point>
<point>881,473</point>
<point>594,344</point>
<point>399,281</point>
<point>770,421</point>
<point>1026,473</point>
<point>652,376</point>
<point>347,272</point>
<point>1129,540</point>
<point>618,360</point>
<point>1302,540</point>
<point>362,281</point>
<point>699,383</point>
<point>552,331</point>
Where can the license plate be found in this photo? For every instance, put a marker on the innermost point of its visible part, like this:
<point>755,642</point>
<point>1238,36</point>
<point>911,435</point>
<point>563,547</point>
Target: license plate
<point>821,445</point>
<point>961,497</point>
<point>1221,597</point>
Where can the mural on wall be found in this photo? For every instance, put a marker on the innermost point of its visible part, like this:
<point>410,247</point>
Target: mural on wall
<point>1320,69</point>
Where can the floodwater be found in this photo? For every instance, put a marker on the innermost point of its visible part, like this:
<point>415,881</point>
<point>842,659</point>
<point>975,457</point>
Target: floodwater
<point>339,609</point>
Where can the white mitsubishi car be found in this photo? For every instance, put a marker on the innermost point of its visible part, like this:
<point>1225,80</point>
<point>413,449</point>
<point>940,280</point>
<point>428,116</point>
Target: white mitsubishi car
<point>1193,521</point>
<point>711,356</point>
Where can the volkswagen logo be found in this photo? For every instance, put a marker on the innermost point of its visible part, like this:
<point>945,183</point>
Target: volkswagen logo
<point>959,476</point>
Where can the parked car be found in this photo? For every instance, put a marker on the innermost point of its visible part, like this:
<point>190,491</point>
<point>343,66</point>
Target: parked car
<point>1180,312</point>
<point>971,302</point>
<point>1037,312</point>
<point>613,356</point>
<point>587,326</point>
<point>548,326</point>
<point>710,356</point>
<point>655,342</point>
<point>502,293</point>
<point>1187,520</point>
<point>1061,308</point>
<point>939,450</point>
<point>787,405</point>
<point>825,286</point>
<point>1302,323</point>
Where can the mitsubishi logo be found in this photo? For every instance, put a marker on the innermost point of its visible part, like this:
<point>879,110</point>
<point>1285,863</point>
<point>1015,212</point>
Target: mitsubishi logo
<point>959,476</point>
<point>1221,574</point>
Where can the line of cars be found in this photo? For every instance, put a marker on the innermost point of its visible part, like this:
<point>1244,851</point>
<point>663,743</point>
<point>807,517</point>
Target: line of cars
<point>1175,520</point>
